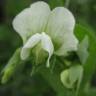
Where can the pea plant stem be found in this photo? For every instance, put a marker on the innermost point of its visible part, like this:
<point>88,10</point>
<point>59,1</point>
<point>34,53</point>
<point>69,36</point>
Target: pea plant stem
<point>67,2</point>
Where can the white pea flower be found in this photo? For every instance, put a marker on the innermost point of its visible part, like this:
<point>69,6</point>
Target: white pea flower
<point>52,29</point>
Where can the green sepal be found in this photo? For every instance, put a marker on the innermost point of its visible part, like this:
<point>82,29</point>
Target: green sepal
<point>83,50</point>
<point>12,66</point>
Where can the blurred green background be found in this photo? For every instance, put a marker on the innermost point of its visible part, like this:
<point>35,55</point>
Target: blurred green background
<point>24,85</point>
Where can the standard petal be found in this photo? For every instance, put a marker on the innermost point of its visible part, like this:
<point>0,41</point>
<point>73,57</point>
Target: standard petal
<point>60,27</point>
<point>70,44</point>
<point>32,20</point>
<point>25,52</point>
<point>47,45</point>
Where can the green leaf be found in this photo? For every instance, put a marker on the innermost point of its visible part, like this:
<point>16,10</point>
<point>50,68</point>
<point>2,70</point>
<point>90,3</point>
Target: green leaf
<point>83,50</point>
<point>12,66</point>
<point>53,80</point>
<point>90,65</point>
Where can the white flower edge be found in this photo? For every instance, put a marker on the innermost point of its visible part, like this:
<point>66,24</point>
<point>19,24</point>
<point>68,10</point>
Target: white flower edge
<point>32,20</point>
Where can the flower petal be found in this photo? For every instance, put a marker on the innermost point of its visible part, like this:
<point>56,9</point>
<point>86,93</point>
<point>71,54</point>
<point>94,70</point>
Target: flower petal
<point>47,45</point>
<point>71,75</point>
<point>32,20</point>
<point>65,78</point>
<point>60,27</point>
<point>70,44</point>
<point>25,52</point>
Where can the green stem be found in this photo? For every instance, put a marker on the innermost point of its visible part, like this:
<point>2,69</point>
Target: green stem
<point>54,80</point>
<point>67,2</point>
